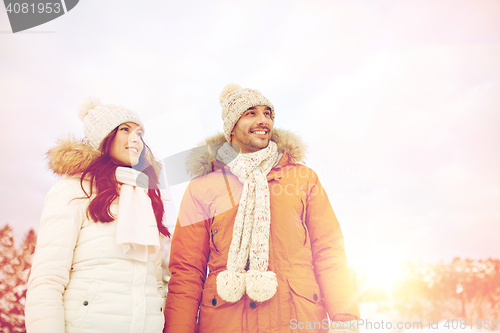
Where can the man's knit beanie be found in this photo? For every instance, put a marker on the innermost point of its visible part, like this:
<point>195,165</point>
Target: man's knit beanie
<point>235,100</point>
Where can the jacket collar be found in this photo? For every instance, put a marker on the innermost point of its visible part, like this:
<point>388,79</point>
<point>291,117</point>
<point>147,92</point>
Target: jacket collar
<point>201,161</point>
<point>71,156</point>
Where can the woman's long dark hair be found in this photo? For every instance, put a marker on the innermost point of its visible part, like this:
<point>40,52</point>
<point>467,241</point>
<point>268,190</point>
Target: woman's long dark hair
<point>101,173</point>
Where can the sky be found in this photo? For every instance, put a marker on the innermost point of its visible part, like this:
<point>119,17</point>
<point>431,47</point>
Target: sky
<point>398,103</point>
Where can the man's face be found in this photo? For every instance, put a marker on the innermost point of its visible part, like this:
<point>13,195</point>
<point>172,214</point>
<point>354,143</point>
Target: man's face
<point>253,130</point>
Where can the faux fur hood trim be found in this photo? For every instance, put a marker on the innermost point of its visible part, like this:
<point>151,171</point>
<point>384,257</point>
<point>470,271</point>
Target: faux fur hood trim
<point>200,160</point>
<point>70,156</point>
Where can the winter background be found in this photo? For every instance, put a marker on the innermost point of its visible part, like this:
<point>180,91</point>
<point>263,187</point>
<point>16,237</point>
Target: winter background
<point>397,101</point>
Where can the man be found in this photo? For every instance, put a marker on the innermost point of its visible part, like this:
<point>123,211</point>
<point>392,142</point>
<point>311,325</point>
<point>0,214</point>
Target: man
<point>260,224</point>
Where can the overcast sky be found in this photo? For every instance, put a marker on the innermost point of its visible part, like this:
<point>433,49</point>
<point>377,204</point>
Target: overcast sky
<point>397,101</point>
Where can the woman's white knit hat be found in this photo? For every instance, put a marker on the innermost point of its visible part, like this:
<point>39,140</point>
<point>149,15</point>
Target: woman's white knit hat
<point>99,120</point>
<point>235,100</point>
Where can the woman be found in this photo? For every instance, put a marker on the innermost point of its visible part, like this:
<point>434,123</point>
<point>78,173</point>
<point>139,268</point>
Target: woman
<point>97,264</point>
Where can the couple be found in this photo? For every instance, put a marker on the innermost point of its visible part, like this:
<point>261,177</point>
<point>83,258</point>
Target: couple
<point>256,248</point>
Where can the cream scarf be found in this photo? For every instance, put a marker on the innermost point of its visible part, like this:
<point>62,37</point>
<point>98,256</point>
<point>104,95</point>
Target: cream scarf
<point>136,229</point>
<point>250,240</point>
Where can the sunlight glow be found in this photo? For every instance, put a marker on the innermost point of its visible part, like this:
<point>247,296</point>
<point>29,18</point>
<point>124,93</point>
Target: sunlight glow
<point>382,270</point>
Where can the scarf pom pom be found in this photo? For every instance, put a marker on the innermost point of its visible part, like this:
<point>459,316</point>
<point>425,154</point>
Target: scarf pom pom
<point>261,286</point>
<point>230,285</point>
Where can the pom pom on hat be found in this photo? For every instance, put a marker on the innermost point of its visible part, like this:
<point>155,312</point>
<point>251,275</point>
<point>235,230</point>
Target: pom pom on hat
<point>86,105</point>
<point>229,88</point>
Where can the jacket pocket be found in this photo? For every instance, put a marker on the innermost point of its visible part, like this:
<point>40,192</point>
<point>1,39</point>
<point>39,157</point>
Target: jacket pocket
<point>303,219</point>
<point>220,234</point>
<point>307,303</point>
<point>212,299</point>
<point>86,304</point>
<point>217,315</point>
<point>214,230</point>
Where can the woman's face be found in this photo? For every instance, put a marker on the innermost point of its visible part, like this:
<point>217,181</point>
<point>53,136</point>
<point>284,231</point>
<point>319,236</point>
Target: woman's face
<point>127,144</point>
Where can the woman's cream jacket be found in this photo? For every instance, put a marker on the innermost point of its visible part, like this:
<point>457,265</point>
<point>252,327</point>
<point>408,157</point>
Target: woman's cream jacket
<point>80,279</point>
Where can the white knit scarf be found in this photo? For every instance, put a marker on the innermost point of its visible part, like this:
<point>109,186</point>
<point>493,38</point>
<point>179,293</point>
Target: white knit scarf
<point>251,227</point>
<point>136,229</point>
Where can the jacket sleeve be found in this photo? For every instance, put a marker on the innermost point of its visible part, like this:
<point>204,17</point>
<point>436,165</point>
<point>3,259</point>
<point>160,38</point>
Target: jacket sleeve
<point>60,224</point>
<point>329,258</point>
<point>188,265</point>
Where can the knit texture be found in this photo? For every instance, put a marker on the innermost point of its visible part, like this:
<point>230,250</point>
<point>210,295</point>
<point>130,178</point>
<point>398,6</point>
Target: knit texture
<point>136,229</point>
<point>99,120</point>
<point>250,241</point>
<point>235,100</point>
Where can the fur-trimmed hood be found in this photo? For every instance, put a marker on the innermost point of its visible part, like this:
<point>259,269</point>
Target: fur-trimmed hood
<point>70,156</point>
<point>200,161</point>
